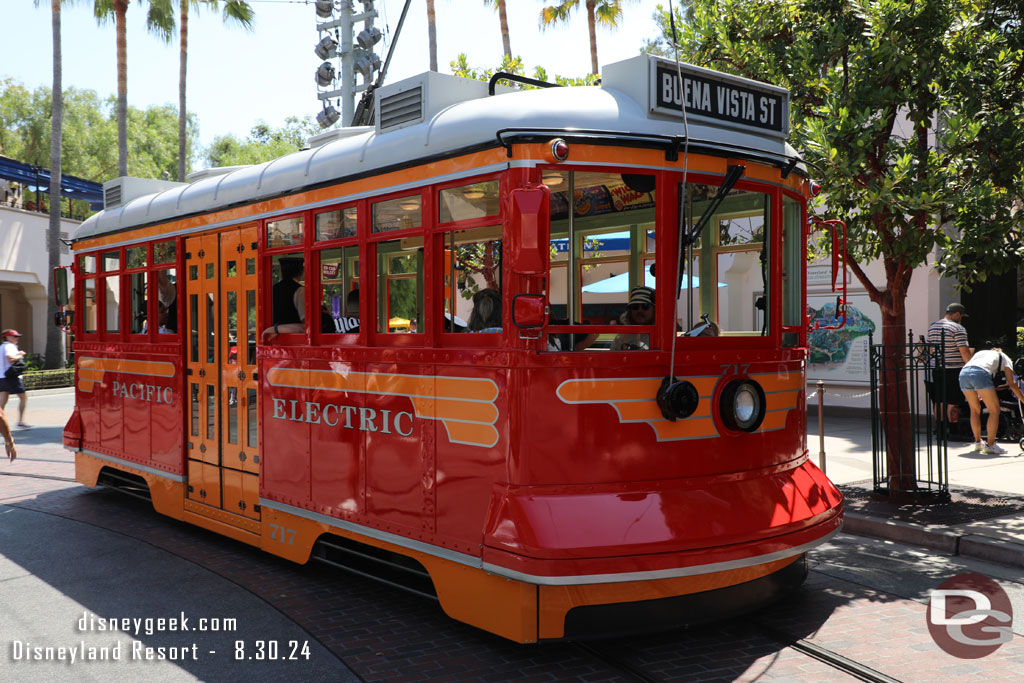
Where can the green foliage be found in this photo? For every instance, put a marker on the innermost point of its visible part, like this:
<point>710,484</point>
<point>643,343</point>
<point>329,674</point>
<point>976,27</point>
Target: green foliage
<point>48,379</point>
<point>868,83</point>
<point>263,143</point>
<point>460,67</point>
<point>89,139</point>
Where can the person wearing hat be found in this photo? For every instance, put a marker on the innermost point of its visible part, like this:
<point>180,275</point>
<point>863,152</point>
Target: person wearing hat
<point>639,311</point>
<point>950,335</point>
<point>9,353</point>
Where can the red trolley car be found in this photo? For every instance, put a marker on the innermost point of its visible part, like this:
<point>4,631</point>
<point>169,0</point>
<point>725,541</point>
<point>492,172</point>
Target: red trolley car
<point>469,345</point>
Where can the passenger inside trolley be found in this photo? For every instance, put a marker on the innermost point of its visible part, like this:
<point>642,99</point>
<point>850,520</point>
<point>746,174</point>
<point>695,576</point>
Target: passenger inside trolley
<point>289,299</point>
<point>486,315</point>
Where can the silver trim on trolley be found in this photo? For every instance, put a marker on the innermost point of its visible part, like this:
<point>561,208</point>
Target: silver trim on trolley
<point>129,463</point>
<point>490,568</point>
<point>660,573</point>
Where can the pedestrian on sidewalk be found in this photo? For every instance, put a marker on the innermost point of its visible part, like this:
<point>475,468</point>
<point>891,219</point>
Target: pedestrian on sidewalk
<point>976,379</point>
<point>5,431</point>
<point>9,353</point>
<point>951,336</point>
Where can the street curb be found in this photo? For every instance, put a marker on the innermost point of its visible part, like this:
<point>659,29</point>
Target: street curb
<point>55,390</point>
<point>992,550</point>
<point>932,537</point>
<point>939,538</point>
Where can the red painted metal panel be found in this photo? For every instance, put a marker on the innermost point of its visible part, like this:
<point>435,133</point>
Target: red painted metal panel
<point>659,517</point>
<point>168,420</point>
<point>466,472</point>
<point>617,432</point>
<point>285,429</point>
<point>399,444</point>
<point>337,449</point>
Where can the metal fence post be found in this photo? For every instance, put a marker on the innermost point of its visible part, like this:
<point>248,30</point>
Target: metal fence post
<point>821,425</point>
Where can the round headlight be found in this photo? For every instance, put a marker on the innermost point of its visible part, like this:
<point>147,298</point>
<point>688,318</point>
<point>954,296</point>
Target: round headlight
<point>742,405</point>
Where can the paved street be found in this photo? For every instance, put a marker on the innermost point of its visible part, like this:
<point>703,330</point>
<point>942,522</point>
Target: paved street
<point>67,552</point>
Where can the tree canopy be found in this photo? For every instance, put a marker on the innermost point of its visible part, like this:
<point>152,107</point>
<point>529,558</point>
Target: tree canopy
<point>263,143</point>
<point>89,145</point>
<point>910,111</point>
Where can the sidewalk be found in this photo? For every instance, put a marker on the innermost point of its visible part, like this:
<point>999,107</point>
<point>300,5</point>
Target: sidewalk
<point>985,519</point>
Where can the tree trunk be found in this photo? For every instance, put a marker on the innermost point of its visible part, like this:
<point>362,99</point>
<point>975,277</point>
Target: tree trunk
<point>431,35</point>
<point>120,10</point>
<point>182,111</point>
<point>592,25</point>
<point>894,402</point>
<point>503,17</point>
<point>54,335</point>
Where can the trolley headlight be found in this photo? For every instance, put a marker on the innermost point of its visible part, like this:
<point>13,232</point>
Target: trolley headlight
<point>742,405</point>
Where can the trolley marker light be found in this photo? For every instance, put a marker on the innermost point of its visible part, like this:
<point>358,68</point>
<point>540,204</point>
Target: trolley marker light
<point>742,405</point>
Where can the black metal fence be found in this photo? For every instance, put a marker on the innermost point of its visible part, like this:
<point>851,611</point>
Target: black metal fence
<point>909,436</point>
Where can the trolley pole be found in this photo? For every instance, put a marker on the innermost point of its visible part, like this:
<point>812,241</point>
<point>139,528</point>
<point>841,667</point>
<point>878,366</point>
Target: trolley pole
<point>821,425</point>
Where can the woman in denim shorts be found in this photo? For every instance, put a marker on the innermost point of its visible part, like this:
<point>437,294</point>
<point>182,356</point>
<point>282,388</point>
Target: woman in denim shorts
<point>976,379</point>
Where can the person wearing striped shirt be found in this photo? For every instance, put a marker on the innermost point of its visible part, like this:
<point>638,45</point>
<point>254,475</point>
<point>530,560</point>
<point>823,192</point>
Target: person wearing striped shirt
<point>949,333</point>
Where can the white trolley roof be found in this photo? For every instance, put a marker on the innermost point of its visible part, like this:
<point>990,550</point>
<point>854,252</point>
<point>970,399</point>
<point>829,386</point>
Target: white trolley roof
<point>435,116</point>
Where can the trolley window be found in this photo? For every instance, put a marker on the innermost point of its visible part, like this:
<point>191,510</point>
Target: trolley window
<point>336,224</point>
<point>472,280</point>
<point>466,202</point>
<point>398,214</point>
<point>286,232</point>
<point>399,286</point>
<point>339,290</point>
<point>726,269</point>
<point>603,249</point>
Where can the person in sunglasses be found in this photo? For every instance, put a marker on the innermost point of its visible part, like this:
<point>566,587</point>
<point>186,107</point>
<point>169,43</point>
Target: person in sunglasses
<point>639,311</point>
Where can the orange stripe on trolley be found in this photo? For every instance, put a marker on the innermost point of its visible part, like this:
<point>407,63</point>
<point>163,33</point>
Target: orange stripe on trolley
<point>633,399</point>
<point>464,404</point>
<point>91,370</point>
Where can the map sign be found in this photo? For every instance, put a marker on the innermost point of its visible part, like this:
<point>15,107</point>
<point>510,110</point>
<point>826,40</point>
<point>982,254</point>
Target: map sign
<point>841,355</point>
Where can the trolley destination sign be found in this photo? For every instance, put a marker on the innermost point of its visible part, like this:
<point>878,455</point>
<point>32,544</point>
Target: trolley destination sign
<point>718,98</point>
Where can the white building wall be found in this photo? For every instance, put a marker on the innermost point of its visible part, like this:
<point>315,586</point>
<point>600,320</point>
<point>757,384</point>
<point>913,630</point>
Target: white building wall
<point>25,273</point>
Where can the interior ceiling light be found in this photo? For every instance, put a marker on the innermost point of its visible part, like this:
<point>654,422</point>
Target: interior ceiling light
<point>473,193</point>
<point>367,65</point>
<point>324,8</point>
<point>368,37</point>
<point>552,178</point>
<point>328,117</point>
<point>325,74</point>
<point>325,47</point>
<point>410,204</point>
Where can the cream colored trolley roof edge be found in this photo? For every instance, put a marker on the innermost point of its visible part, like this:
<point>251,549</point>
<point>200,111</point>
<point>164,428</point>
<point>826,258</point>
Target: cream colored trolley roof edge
<point>456,114</point>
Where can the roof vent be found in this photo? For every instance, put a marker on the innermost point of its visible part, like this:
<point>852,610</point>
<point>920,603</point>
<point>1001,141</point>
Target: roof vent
<point>112,197</point>
<point>421,98</point>
<point>401,108</point>
<point>120,191</point>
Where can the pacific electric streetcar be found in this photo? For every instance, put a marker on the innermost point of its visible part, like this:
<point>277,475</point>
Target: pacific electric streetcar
<point>541,352</point>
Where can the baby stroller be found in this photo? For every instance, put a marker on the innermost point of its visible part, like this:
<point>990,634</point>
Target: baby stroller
<point>1011,411</point>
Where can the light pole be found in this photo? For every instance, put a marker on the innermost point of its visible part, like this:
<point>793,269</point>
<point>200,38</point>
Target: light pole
<point>354,54</point>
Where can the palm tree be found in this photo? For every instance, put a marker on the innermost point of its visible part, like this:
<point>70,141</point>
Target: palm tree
<point>503,18</point>
<point>431,35</point>
<point>159,21</point>
<point>234,10</point>
<point>54,355</point>
<point>607,12</point>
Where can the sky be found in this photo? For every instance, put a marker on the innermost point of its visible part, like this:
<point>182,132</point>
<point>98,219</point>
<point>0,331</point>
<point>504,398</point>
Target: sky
<point>236,78</point>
